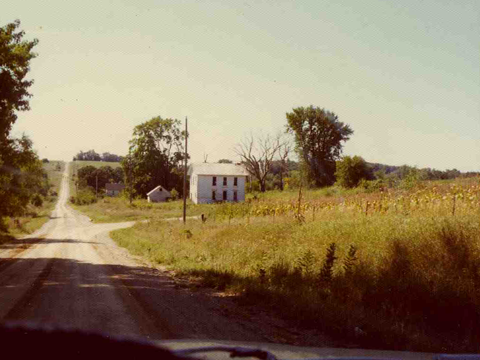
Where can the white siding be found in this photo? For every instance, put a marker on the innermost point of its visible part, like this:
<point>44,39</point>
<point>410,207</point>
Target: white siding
<point>158,196</point>
<point>202,188</point>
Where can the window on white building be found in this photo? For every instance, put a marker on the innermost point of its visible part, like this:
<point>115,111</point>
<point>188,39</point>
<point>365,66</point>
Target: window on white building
<point>224,181</point>
<point>214,181</point>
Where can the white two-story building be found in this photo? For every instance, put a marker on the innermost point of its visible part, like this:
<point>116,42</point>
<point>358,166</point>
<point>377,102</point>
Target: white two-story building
<point>210,183</point>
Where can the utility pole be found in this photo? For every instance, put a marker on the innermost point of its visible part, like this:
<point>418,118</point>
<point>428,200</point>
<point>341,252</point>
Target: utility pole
<point>185,174</point>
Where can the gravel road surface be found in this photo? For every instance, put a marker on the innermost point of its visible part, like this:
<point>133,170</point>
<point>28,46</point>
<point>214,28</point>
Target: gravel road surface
<point>71,274</point>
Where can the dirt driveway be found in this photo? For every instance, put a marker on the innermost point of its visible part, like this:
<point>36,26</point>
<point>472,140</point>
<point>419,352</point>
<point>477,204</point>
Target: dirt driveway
<point>71,274</point>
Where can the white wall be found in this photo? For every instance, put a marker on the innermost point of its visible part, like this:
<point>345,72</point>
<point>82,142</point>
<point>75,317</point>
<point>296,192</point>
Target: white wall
<point>201,189</point>
<point>159,196</point>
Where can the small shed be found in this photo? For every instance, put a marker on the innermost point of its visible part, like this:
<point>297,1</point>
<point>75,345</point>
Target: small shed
<point>158,194</point>
<point>113,189</point>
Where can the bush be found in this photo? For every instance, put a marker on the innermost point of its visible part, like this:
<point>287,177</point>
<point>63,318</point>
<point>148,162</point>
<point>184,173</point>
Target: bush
<point>174,194</point>
<point>372,185</point>
<point>85,196</point>
<point>351,170</point>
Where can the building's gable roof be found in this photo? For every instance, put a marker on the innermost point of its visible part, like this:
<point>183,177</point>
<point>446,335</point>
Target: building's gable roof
<point>159,188</point>
<point>114,187</point>
<point>217,169</point>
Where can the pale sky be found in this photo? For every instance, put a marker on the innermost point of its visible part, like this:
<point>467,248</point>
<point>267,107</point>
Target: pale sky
<point>405,75</point>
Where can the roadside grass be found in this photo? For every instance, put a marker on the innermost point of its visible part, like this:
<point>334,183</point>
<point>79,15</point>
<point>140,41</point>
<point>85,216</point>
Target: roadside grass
<point>32,220</point>
<point>55,171</point>
<point>36,216</point>
<point>405,279</point>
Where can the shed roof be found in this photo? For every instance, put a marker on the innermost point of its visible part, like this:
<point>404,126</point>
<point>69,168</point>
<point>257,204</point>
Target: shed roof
<point>158,188</point>
<point>114,186</point>
<point>217,169</point>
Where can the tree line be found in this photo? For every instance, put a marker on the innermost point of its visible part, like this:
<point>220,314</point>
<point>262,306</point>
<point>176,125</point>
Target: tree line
<point>318,139</point>
<point>91,155</point>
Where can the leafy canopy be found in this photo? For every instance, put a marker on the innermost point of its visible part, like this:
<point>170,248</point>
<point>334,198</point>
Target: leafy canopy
<point>156,151</point>
<point>15,56</point>
<point>21,173</point>
<point>318,138</point>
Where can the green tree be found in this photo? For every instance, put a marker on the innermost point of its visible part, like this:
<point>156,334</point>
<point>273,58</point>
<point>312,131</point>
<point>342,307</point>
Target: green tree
<point>157,152</point>
<point>21,176</point>
<point>225,161</point>
<point>15,56</point>
<point>21,173</point>
<point>351,170</point>
<point>318,139</point>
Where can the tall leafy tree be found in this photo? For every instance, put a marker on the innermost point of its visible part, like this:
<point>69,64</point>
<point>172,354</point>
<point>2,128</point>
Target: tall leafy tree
<point>21,174</point>
<point>15,56</point>
<point>318,138</point>
<point>157,152</point>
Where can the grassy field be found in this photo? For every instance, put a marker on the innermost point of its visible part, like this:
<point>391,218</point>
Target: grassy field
<point>396,269</point>
<point>115,209</point>
<point>35,217</point>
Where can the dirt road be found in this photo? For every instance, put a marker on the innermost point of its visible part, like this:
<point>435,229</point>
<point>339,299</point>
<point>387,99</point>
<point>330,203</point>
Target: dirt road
<point>71,274</point>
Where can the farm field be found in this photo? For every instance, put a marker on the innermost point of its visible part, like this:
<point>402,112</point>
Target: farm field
<point>35,217</point>
<point>396,268</point>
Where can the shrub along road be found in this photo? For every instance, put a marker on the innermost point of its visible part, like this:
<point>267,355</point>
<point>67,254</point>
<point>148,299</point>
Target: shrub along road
<point>71,274</point>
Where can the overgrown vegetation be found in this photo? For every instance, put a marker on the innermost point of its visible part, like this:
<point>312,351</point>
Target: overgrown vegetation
<point>37,212</point>
<point>397,270</point>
